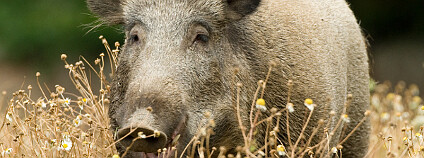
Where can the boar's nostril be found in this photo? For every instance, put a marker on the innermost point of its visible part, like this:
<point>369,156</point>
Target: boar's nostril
<point>149,144</point>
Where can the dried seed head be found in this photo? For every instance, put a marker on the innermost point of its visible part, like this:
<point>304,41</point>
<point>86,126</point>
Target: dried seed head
<point>310,153</point>
<point>37,74</point>
<point>156,134</point>
<point>321,121</point>
<point>272,63</point>
<point>276,130</point>
<point>349,96</point>
<point>367,113</point>
<point>290,82</point>
<point>278,114</point>
<point>274,110</point>
<point>403,129</point>
<point>222,149</point>
<point>117,44</point>
<point>212,123</point>
<point>207,114</point>
<point>106,101</point>
<point>239,148</point>
<point>239,84</point>
<point>236,70</point>
<point>149,109</point>
<point>97,61</point>
<point>260,82</point>
<point>63,56</point>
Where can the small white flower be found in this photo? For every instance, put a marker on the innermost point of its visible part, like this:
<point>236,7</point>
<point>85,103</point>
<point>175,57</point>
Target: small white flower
<point>310,106</point>
<point>334,150</point>
<point>290,107</point>
<point>67,102</point>
<point>43,104</point>
<point>405,140</point>
<point>281,150</point>
<point>261,107</point>
<point>346,118</point>
<point>260,152</point>
<point>66,145</point>
<point>141,135</point>
<point>418,135</point>
<point>384,116</point>
<point>52,104</point>
<point>77,122</point>
<point>53,142</point>
<point>375,101</point>
<point>9,116</point>
<point>8,151</point>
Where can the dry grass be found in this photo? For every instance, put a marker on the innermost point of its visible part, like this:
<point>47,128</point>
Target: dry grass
<point>61,124</point>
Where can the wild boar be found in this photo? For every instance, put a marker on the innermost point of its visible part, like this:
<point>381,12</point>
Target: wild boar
<point>179,59</point>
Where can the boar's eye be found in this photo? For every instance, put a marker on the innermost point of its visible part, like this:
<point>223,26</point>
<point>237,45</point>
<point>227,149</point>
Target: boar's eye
<point>202,38</point>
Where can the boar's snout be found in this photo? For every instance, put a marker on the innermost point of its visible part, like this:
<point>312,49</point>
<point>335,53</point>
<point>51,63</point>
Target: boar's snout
<point>150,144</point>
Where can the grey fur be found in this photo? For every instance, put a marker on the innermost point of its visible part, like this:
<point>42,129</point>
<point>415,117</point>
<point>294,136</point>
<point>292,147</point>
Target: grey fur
<point>316,43</point>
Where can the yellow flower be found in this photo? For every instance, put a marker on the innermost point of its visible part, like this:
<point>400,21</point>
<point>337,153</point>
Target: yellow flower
<point>390,96</point>
<point>418,135</point>
<point>308,101</point>
<point>115,156</point>
<point>417,99</point>
<point>309,104</point>
<point>346,118</point>
<point>260,104</point>
<point>281,150</point>
<point>84,100</point>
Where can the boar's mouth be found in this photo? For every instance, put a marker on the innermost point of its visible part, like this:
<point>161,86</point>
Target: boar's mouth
<point>152,140</point>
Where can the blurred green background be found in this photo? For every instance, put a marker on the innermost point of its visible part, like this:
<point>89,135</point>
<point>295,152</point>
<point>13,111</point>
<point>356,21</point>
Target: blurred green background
<point>33,34</point>
<point>36,32</point>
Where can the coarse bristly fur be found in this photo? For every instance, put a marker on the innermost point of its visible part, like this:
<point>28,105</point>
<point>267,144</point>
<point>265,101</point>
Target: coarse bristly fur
<point>179,59</point>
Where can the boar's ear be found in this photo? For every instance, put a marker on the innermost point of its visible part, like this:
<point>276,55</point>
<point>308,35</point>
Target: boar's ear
<point>109,11</point>
<point>236,9</point>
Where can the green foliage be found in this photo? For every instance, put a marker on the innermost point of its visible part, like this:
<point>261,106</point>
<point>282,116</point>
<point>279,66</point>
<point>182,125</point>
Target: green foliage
<point>34,32</point>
